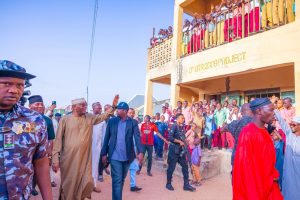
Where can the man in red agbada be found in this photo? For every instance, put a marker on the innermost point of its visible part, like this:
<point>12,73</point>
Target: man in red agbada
<point>254,173</point>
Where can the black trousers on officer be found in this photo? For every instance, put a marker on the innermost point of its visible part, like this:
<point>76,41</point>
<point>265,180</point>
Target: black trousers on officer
<point>174,158</point>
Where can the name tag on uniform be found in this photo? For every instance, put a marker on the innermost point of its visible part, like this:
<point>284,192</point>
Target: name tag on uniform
<point>9,141</point>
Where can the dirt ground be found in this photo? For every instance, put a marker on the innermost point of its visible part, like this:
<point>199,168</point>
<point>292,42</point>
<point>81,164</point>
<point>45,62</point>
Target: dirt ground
<point>217,188</point>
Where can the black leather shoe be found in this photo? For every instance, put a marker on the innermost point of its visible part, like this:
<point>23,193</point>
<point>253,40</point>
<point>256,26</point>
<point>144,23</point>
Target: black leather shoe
<point>135,189</point>
<point>189,188</point>
<point>149,174</point>
<point>169,187</point>
<point>34,192</point>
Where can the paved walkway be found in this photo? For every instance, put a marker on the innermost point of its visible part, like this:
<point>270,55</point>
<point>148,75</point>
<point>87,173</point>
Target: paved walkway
<point>217,188</point>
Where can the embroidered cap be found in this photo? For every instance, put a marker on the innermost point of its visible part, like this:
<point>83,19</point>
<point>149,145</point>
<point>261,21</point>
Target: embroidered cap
<point>10,69</point>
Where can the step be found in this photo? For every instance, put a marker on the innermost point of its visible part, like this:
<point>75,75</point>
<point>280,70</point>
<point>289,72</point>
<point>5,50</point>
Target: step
<point>213,163</point>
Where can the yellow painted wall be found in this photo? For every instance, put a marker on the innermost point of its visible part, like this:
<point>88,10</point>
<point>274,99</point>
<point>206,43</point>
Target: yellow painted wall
<point>187,94</point>
<point>276,47</point>
<point>282,77</point>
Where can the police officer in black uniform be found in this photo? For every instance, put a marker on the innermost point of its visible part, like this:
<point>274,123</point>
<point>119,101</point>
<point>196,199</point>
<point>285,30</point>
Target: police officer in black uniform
<point>177,154</point>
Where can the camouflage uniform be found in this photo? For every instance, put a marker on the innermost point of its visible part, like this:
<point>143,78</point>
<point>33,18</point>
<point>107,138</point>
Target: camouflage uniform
<point>23,139</point>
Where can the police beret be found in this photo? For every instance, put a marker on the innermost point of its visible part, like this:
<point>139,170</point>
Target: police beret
<point>259,102</point>
<point>10,69</point>
<point>34,99</point>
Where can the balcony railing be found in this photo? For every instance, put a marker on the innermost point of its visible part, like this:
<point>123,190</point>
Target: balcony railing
<point>160,54</point>
<point>235,22</point>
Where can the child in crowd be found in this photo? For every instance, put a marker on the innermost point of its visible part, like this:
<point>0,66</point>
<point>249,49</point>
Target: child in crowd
<point>209,121</point>
<point>196,161</point>
<point>190,136</point>
<point>279,146</point>
<point>234,115</point>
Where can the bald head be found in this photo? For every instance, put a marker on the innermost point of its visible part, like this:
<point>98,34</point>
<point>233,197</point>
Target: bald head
<point>246,111</point>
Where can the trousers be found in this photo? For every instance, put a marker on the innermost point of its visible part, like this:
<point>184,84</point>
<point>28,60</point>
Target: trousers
<point>149,149</point>
<point>173,159</point>
<point>119,171</point>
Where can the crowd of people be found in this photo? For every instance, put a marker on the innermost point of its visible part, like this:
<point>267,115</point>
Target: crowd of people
<point>262,134</point>
<point>234,19</point>
<point>163,34</point>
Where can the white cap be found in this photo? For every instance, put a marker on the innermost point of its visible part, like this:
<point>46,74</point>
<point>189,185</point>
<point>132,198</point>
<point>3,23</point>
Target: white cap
<point>296,119</point>
<point>78,101</point>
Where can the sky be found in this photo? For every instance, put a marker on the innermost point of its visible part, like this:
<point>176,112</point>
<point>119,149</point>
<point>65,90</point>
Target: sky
<point>51,39</point>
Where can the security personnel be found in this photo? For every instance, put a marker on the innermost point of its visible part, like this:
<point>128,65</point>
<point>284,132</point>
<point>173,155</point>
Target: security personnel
<point>23,139</point>
<point>36,103</point>
<point>176,154</point>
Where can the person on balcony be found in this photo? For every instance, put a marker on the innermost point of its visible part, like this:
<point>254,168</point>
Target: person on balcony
<point>170,30</point>
<point>228,21</point>
<point>246,18</point>
<point>209,30</point>
<point>213,22</point>
<point>220,22</point>
<point>202,26</point>
<point>278,12</point>
<point>194,38</point>
<point>254,16</point>
<point>185,37</point>
<point>267,18</point>
<point>237,19</point>
<point>290,7</point>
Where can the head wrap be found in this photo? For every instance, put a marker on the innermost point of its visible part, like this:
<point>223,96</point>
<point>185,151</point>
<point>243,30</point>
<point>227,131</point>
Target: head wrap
<point>34,99</point>
<point>259,102</point>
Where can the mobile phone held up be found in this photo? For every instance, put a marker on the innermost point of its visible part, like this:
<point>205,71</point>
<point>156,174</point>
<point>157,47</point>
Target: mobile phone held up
<point>53,102</point>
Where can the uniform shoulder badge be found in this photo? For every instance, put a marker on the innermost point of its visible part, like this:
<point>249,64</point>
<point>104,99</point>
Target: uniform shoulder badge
<point>17,128</point>
<point>32,127</point>
<point>27,128</point>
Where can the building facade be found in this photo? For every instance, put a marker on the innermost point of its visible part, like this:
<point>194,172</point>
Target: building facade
<point>261,63</point>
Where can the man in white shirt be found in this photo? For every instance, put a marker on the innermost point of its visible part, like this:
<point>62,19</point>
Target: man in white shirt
<point>165,114</point>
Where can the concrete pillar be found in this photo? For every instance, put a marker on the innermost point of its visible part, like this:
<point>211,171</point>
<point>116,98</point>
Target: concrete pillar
<point>175,90</point>
<point>297,85</point>
<point>148,104</point>
<point>201,95</point>
<point>177,31</point>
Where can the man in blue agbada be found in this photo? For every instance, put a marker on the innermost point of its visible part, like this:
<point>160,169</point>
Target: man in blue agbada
<point>23,139</point>
<point>291,166</point>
